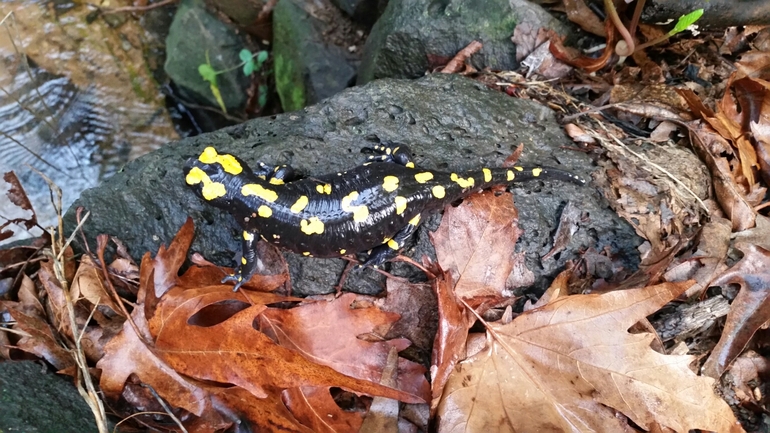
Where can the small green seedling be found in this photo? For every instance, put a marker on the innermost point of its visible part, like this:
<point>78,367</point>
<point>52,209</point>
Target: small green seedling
<point>249,65</point>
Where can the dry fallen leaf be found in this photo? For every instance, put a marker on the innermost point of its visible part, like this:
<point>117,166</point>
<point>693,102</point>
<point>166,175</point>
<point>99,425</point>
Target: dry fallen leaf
<point>570,365</point>
<point>450,343</point>
<point>475,243</point>
<point>327,333</point>
<point>748,312</point>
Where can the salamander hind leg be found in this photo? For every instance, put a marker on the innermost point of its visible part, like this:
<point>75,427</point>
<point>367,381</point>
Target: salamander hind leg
<point>248,265</point>
<point>392,152</point>
<point>389,249</point>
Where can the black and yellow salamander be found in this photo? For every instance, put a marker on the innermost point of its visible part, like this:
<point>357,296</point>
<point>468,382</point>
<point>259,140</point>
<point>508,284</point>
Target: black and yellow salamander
<point>375,207</point>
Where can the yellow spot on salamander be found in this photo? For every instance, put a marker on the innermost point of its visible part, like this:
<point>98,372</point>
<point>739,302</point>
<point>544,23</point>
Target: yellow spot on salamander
<point>510,175</point>
<point>518,168</point>
<point>400,204</point>
<point>311,226</point>
<point>343,251</point>
<point>360,212</point>
<point>464,183</point>
<point>388,150</point>
<point>208,156</point>
<point>487,174</point>
<point>416,220</point>
<point>393,244</point>
<point>306,253</point>
<point>536,171</point>
<point>259,191</point>
<point>423,177</point>
<point>264,211</point>
<point>387,238</point>
<point>438,191</point>
<point>247,236</point>
<point>213,190</point>
<point>228,162</point>
<point>300,204</point>
<point>390,183</point>
<point>243,260</point>
<point>274,181</point>
<point>409,164</point>
<point>210,190</point>
<point>324,189</point>
<point>396,150</point>
<point>196,176</point>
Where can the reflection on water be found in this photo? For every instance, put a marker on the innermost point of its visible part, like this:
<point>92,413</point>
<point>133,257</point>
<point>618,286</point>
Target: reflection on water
<point>49,124</point>
<point>86,105</point>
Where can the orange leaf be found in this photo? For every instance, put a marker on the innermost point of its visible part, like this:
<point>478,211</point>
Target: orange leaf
<point>234,352</point>
<point>315,407</point>
<point>326,333</point>
<point>127,354</point>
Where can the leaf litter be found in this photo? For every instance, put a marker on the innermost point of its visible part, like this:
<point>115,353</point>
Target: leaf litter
<point>682,146</point>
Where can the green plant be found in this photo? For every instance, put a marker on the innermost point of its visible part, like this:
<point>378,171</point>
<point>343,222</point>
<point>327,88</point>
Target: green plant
<point>251,63</point>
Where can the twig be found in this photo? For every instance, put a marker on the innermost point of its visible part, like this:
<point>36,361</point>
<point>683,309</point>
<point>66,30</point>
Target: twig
<point>165,406</point>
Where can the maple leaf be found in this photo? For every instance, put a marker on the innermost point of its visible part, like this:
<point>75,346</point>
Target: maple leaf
<point>568,366</point>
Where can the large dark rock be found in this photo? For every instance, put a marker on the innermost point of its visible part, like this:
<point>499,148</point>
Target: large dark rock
<point>194,33</point>
<point>449,121</point>
<point>414,36</point>
<point>33,399</point>
<point>311,48</point>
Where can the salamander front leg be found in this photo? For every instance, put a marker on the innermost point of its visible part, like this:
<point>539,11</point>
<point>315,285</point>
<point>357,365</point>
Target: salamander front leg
<point>282,174</point>
<point>245,270</point>
<point>392,152</point>
<point>389,249</point>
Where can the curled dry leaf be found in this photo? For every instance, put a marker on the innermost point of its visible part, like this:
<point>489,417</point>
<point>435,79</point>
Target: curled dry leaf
<point>459,59</point>
<point>748,312</point>
<point>730,195</point>
<point>38,338</point>
<point>569,365</point>
<point>450,343</point>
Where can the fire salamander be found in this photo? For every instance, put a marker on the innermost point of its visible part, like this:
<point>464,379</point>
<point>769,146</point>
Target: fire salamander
<point>375,207</point>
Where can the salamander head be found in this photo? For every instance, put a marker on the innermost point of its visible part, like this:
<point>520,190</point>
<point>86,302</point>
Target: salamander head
<point>215,177</point>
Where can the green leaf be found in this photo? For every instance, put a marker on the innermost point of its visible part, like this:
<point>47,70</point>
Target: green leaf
<point>262,96</point>
<point>686,21</point>
<point>245,55</point>
<point>248,67</point>
<point>261,57</point>
<point>208,73</point>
